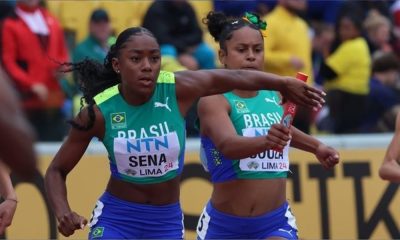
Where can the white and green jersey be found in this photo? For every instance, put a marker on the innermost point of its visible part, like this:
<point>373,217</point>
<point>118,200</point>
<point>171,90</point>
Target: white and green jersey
<point>145,143</point>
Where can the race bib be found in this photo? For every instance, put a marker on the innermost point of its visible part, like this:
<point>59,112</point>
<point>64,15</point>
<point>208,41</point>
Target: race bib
<point>267,161</point>
<point>147,157</point>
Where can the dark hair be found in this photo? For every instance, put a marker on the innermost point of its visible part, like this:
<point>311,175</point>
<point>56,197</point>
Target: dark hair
<point>99,15</point>
<point>383,62</point>
<point>355,18</point>
<point>221,26</point>
<point>94,77</point>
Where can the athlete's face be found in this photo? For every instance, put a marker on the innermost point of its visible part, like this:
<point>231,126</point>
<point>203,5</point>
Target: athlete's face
<point>139,63</point>
<point>245,50</point>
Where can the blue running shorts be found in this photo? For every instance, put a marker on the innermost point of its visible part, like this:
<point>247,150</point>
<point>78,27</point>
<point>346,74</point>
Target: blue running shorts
<point>113,218</point>
<point>214,224</point>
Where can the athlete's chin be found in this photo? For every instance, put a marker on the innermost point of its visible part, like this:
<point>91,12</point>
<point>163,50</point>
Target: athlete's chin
<point>145,90</point>
<point>251,68</point>
<point>146,83</point>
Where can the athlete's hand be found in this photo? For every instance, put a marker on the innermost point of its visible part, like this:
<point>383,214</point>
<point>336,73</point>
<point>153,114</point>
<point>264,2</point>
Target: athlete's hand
<point>300,93</point>
<point>278,137</point>
<point>69,222</point>
<point>7,210</point>
<point>327,156</point>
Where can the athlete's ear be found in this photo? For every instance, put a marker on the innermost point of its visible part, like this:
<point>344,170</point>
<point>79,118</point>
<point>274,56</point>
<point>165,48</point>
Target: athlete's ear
<point>222,56</point>
<point>115,65</point>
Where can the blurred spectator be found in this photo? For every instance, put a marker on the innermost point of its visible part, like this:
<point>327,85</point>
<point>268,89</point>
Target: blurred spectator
<point>346,72</point>
<point>382,97</point>
<point>323,38</point>
<point>378,30</point>
<point>362,8</point>
<point>238,8</point>
<point>288,48</point>
<point>175,26</point>
<point>395,11</point>
<point>6,8</point>
<point>395,14</point>
<point>235,8</point>
<point>388,122</point>
<point>265,6</point>
<point>32,45</point>
<point>96,45</point>
<point>324,11</point>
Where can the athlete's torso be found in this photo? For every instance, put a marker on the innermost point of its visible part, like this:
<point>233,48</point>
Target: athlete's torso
<point>145,143</point>
<point>256,185</point>
<point>251,117</point>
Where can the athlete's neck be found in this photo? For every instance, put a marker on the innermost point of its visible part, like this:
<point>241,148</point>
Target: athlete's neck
<point>135,99</point>
<point>245,94</point>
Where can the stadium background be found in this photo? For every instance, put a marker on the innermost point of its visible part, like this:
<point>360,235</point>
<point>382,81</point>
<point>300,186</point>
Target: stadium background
<point>74,15</point>
<point>350,202</point>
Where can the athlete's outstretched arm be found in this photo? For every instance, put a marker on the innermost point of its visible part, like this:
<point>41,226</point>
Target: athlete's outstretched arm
<point>390,168</point>
<point>328,156</point>
<point>213,113</point>
<point>64,161</point>
<point>8,206</point>
<point>17,137</point>
<point>190,85</point>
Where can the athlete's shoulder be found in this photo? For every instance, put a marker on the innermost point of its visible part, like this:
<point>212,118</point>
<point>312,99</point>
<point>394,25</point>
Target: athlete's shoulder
<point>166,77</point>
<point>91,115</point>
<point>106,94</point>
<point>217,98</point>
<point>213,103</point>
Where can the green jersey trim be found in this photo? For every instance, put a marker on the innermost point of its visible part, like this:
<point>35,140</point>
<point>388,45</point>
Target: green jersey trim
<point>166,77</point>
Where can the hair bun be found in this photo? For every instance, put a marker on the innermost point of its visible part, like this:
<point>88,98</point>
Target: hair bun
<point>215,21</point>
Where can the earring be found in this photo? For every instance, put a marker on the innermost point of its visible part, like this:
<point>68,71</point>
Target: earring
<point>117,71</point>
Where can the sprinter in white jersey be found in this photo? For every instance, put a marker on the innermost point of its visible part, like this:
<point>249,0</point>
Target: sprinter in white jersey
<point>138,113</point>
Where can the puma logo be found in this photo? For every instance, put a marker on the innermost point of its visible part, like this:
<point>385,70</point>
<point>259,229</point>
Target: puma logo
<point>271,100</point>
<point>164,105</point>
<point>283,230</point>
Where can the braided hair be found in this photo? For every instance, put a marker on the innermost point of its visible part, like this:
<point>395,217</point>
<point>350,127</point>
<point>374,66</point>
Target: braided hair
<point>94,77</point>
<point>221,27</point>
